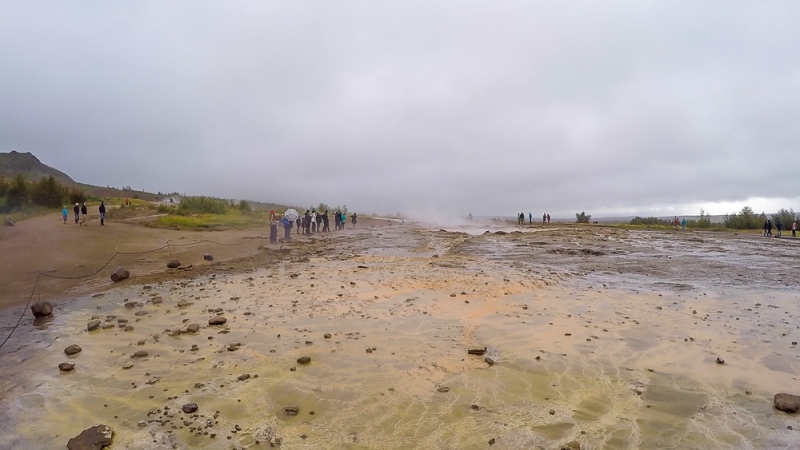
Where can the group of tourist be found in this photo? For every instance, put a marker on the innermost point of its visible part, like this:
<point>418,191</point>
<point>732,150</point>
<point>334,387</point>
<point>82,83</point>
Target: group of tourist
<point>309,223</point>
<point>82,213</point>
<point>778,228</point>
<point>521,218</point>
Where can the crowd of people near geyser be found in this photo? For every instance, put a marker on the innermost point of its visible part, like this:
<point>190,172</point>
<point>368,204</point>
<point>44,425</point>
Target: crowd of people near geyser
<point>521,218</point>
<point>308,224</point>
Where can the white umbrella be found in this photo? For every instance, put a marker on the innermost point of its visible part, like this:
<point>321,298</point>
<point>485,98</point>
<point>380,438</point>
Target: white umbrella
<point>291,215</point>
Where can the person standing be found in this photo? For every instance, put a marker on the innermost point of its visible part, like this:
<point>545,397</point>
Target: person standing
<point>337,219</point>
<point>65,214</point>
<point>778,226</point>
<point>765,228</point>
<point>794,229</point>
<point>307,223</point>
<point>84,214</point>
<point>548,219</point>
<point>544,218</point>
<point>299,224</point>
<point>287,229</point>
<point>344,219</point>
<point>77,210</point>
<point>355,220</point>
<point>769,227</point>
<point>325,222</point>
<point>530,219</point>
<point>273,227</point>
<point>102,209</point>
<point>683,224</point>
<point>319,222</point>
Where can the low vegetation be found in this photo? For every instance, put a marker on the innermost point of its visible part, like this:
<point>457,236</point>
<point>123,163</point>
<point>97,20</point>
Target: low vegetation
<point>583,217</point>
<point>19,195</point>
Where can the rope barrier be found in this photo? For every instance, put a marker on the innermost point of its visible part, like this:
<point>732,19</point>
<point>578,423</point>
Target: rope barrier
<point>118,253</point>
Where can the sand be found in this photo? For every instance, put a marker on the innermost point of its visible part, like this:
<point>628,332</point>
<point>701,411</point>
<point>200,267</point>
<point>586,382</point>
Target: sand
<point>600,336</point>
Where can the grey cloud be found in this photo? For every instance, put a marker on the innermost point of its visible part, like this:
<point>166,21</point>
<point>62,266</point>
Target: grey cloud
<point>455,106</point>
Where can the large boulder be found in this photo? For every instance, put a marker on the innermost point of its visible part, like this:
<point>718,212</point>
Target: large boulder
<point>173,264</point>
<point>787,402</point>
<point>42,309</point>
<point>96,438</point>
<point>119,274</point>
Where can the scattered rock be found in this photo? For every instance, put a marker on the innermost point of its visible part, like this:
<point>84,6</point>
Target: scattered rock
<point>127,365</point>
<point>96,438</point>
<point>73,349</point>
<point>443,389</point>
<point>489,361</point>
<point>720,361</point>
<point>193,328</point>
<point>476,351</point>
<point>93,325</point>
<point>219,320</point>
<point>574,445</point>
<point>42,309</point>
<point>233,346</point>
<point>66,366</point>
<point>244,376</point>
<point>291,410</point>
<point>184,303</point>
<point>208,257</point>
<point>492,441</point>
<point>304,360</point>
<point>787,402</point>
<point>119,274</point>
<point>189,408</point>
<point>327,336</point>
<point>173,264</point>
<point>140,354</point>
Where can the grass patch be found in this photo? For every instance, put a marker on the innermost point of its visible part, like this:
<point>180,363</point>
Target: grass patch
<point>231,219</point>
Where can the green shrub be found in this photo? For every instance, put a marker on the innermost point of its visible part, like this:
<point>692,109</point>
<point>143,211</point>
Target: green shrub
<point>202,205</point>
<point>583,217</point>
<point>745,219</point>
<point>649,221</point>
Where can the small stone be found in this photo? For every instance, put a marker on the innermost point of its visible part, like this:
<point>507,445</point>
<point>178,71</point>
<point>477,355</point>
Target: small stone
<point>492,441</point>
<point>476,351</point>
<point>66,366</point>
<point>443,389</point>
<point>327,336</point>
<point>189,408</point>
<point>140,354</point>
<point>173,264</point>
<point>787,402</point>
<point>304,360</point>
<point>72,349</point>
<point>184,303</point>
<point>291,410</point>
<point>93,325</point>
<point>127,365</point>
<point>720,361</point>
<point>574,445</point>
<point>244,376</point>
<point>219,320</point>
<point>119,274</point>
<point>208,256</point>
<point>489,361</point>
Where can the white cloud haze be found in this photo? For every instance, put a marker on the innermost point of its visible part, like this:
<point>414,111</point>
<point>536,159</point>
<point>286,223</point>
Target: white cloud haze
<point>620,107</point>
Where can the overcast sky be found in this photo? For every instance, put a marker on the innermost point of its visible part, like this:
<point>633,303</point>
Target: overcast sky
<point>630,107</point>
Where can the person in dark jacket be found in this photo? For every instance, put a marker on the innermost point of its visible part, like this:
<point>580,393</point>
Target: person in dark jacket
<point>77,210</point>
<point>84,214</point>
<point>102,210</point>
<point>325,222</point>
<point>354,219</point>
<point>779,227</point>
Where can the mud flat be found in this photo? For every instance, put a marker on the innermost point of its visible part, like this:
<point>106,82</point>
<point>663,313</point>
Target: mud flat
<point>596,337</point>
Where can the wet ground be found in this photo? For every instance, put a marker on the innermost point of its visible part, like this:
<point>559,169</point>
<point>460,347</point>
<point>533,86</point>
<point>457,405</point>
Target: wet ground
<point>600,336</point>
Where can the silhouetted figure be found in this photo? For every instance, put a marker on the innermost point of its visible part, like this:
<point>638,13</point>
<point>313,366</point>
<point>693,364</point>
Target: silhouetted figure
<point>325,222</point>
<point>77,210</point>
<point>102,209</point>
<point>354,219</point>
<point>778,226</point>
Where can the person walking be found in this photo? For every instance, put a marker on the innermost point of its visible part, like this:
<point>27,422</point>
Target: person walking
<point>530,219</point>
<point>683,224</point>
<point>794,229</point>
<point>769,227</point>
<point>765,228</point>
<point>102,209</point>
<point>544,218</point>
<point>65,214</point>
<point>675,222</point>
<point>337,218</point>
<point>84,214</point>
<point>77,210</point>
<point>307,223</point>
<point>548,219</point>
<point>273,227</point>
<point>778,226</point>
<point>299,224</point>
<point>344,219</point>
<point>354,220</point>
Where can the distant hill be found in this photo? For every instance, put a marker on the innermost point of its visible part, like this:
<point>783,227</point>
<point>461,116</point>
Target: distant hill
<point>30,167</point>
